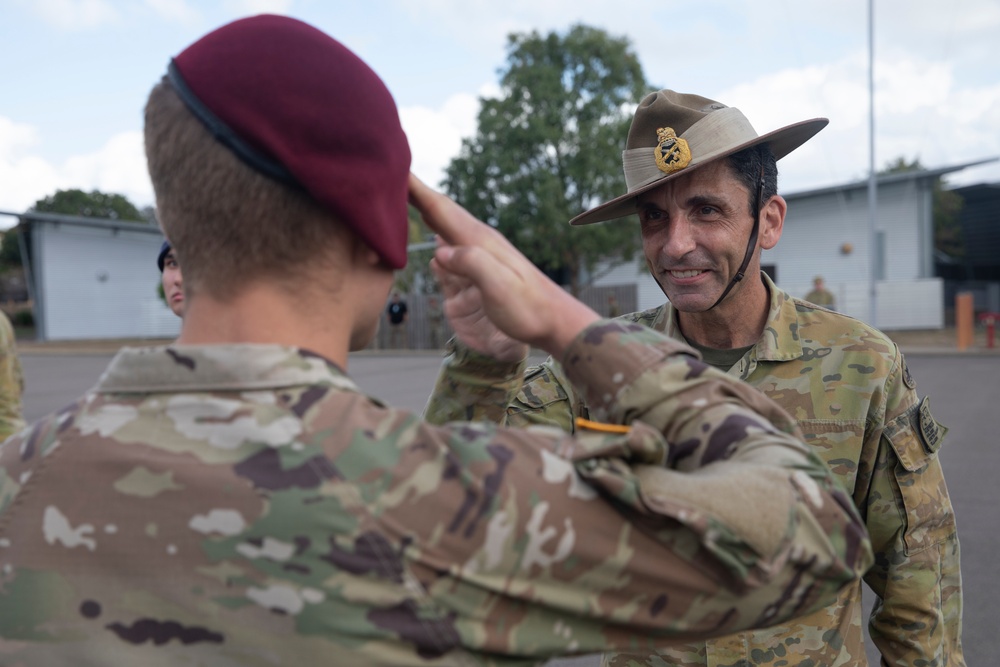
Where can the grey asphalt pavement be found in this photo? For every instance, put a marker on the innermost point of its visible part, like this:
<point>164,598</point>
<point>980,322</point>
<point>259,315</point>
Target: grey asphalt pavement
<point>963,390</point>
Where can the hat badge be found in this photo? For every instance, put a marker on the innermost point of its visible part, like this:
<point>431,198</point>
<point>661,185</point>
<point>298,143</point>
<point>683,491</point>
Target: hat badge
<point>672,153</point>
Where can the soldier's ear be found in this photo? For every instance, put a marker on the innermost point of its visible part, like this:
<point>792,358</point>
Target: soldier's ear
<point>772,221</point>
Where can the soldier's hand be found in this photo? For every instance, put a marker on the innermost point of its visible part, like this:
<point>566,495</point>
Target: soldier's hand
<point>463,306</point>
<point>516,297</point>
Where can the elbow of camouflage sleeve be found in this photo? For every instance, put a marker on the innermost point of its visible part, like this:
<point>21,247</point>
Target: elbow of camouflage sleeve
<point>831,549</point>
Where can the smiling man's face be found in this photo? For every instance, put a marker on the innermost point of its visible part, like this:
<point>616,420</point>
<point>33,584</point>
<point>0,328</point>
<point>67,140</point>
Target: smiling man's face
<point>694,235</point>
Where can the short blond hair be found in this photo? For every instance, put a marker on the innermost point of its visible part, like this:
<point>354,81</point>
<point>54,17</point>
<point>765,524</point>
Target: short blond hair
<point>227,221</point>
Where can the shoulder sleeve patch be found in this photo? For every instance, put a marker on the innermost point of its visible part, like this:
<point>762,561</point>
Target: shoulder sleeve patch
<point>907,378</point>
<point>931,432</point>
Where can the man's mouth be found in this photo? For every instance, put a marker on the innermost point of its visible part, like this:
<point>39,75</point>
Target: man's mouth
<point>690,273</point>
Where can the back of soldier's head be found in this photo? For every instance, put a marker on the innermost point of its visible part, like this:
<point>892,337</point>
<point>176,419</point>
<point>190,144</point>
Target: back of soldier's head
<point>269,146</point>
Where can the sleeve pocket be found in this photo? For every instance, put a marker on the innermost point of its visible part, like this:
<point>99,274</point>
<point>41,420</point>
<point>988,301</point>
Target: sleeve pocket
<point>915,438</point>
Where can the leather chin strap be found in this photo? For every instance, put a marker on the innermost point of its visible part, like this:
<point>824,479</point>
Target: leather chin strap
<point>751,243</point>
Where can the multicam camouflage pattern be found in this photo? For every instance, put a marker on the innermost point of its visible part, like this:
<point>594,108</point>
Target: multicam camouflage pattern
<point>11,381</point>
<point>249,505</point>
<point>848,387</point>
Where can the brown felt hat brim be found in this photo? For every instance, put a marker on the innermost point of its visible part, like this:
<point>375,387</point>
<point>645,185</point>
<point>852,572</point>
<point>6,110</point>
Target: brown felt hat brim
<point>782,141</point>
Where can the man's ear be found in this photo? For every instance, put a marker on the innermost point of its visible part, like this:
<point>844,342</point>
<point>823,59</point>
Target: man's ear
<point>772,221</point>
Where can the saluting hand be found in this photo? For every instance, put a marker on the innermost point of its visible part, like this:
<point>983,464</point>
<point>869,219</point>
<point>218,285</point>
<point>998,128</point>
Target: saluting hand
<point>481,272</point>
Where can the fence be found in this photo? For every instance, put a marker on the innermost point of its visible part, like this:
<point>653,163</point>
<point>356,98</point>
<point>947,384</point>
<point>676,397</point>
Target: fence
<point>420,334</point>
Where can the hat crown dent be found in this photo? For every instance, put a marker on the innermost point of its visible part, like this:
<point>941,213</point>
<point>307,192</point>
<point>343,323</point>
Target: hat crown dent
<point>305,100</point>
<point>667,108</point>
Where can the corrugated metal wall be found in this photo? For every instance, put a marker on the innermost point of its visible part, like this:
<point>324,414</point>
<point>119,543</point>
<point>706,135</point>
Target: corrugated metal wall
<point>94,283</point>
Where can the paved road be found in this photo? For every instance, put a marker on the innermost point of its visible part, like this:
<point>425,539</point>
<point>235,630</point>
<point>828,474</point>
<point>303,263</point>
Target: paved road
<point>963,390</point>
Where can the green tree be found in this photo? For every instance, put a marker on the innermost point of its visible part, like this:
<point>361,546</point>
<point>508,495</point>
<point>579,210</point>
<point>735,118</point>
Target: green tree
<point>946,207</point>
<point>94,204</point>
<point>550,147</point>
<point>10,249</point>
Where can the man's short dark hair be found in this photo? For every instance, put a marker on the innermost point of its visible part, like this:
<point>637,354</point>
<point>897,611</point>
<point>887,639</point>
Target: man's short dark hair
<point>746,165</point>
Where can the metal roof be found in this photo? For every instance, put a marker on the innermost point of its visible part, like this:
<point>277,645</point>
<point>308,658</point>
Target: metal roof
<point>887,179</point>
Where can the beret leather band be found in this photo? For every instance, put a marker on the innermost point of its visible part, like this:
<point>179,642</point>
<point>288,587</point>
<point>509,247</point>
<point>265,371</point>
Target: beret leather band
<point>223,133</point>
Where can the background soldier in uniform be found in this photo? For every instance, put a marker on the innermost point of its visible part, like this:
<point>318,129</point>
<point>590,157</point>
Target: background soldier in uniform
<point>11,381</point>
<point>705,219</point>
<point>235,499</point>
<point>396,312</point>
<point>820,295</point>
<point>171,279</point>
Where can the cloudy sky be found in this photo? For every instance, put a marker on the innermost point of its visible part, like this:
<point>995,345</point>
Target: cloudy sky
<point>74,75</point>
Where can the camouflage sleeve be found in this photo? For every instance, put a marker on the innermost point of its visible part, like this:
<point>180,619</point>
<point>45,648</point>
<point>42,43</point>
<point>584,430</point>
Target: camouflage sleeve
<point>917,618</point>
<point>11,382</point>
<point>730,522</point>
<point>472,387</point>
<point>476,387</point>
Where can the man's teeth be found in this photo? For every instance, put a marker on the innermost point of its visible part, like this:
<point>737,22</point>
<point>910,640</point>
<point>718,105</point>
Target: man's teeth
<point>685,274</point>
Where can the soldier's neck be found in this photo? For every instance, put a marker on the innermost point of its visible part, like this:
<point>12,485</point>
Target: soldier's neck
<point>736,322</point>
<point>265,315</point>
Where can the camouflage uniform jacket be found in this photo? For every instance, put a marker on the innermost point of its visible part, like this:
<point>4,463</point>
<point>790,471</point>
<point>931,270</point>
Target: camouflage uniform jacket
<point>248,505</point>
<point>848,387</point>
<point>11,381</point>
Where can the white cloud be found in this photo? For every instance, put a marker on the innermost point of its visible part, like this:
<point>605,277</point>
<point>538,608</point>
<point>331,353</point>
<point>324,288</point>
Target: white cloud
<point>74,14</point>
<point>119,166</point>
<point>174,10</point>
<point>921,113</point>
<point>435,135</point>
<point>250,7</point>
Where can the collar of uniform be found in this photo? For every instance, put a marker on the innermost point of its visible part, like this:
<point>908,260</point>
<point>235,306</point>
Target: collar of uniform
<point>177,368</point>
<point>780,339</point>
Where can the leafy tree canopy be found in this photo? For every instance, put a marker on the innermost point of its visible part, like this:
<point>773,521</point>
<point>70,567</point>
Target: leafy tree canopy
<point>947,206</point>
<point>550,147</point>
<point>93,204</point>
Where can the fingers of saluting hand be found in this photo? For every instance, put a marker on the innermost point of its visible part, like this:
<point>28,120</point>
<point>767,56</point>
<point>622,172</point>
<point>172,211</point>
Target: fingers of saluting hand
<point>450,283</point>
<point>470,248</point>
<point>446,218</point>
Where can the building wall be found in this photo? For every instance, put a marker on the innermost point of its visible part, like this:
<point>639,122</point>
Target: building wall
<point>93,283</point>
<point>817,227</point>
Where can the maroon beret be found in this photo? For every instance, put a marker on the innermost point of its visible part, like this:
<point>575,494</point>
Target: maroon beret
<point>299,106</point>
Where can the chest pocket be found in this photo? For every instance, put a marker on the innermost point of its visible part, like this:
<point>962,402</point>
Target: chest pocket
<point>544,400</point>
<point>916,437</point>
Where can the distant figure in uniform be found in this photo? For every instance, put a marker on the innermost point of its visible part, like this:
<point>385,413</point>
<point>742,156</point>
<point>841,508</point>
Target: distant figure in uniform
<point>11,384</point>
<point>820,295</point>
<point>397,314</point>
<point>171,279</point>
<point>435,321</point>
<point>613,309</point>
<point>236,499</point>
<point>705,217</point>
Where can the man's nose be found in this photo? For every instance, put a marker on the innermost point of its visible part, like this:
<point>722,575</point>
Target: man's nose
<point>679,238</point>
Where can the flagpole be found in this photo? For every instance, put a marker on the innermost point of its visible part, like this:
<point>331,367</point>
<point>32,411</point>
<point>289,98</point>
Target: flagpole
<point>872,189</point>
